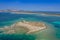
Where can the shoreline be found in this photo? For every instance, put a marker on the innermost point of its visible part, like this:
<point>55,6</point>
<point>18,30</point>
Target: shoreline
<point>39,13</point>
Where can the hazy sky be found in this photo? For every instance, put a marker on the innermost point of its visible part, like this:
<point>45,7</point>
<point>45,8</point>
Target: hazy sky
<point>35,5</point>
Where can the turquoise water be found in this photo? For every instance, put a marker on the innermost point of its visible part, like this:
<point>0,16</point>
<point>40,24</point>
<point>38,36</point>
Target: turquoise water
<point>52,33</point>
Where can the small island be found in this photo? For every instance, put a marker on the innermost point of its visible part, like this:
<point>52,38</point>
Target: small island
<point>30,27</point>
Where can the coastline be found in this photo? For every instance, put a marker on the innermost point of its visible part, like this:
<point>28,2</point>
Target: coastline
<point>45,13</point>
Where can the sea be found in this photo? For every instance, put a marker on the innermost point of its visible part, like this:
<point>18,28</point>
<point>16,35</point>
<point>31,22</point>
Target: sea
<point>51,33</point>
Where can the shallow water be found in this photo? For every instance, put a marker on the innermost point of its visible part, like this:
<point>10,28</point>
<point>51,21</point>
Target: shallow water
<point>51,33</point>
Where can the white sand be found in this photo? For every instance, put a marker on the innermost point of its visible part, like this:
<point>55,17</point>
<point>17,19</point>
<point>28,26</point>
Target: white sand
<point>24,24</point>
<point>30,27</point>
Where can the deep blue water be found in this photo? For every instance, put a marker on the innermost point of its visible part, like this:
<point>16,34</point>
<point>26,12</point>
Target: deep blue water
<point>6,17</point>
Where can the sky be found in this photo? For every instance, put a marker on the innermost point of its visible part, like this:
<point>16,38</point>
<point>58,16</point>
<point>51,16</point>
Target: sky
<point>30,5</point>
